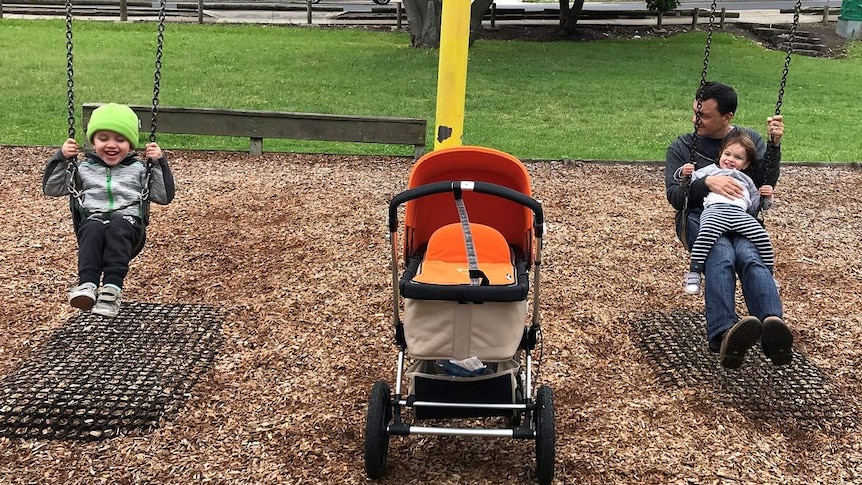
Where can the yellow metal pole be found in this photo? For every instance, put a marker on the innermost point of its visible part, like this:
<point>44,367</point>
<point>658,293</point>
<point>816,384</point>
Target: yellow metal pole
<point>452,73</point>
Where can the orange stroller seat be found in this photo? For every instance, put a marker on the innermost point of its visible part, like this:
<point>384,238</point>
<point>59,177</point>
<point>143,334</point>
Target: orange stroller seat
<point>446,261</point>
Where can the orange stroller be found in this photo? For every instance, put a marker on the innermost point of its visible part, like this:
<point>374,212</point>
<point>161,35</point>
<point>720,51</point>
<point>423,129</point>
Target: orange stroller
<point>472,236</point>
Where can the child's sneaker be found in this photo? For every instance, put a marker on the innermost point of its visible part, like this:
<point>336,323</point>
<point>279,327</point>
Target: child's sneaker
<point>691,283</point>
<point>108,304</point>
<point>83,296</point>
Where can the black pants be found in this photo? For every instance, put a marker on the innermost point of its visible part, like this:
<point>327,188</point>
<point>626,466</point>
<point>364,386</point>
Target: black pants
<point>105,248</point>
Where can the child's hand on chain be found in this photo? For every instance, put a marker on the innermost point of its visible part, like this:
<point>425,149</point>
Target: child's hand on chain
<point>70,148</point>
<point>153,151</point>
<point>687,169</point>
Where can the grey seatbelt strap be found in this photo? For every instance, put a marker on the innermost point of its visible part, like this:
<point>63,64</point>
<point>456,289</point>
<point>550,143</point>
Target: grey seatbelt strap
<point>477,277</point>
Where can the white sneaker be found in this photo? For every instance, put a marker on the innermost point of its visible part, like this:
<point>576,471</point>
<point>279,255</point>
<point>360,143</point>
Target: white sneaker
<point>108,304</point>
<point>83,296</point>
<point>691,283</point>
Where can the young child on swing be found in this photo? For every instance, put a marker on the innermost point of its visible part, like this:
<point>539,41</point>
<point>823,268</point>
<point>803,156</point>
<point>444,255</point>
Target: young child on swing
<point>723,214</point>
<point>111,181</point>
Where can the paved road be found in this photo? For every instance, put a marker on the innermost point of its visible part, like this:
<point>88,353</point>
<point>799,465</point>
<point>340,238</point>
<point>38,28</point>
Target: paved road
<point>757,12</point>
<point>731,5</point>
<point>331,11</point>
<point>735,5</point>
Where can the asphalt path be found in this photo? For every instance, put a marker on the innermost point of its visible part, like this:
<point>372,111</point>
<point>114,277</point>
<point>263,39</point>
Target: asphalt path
<point>728,4</point>
<point>774,6</point>
<point>733,5</point>
<point>757,12</point>
<point>330,11</point>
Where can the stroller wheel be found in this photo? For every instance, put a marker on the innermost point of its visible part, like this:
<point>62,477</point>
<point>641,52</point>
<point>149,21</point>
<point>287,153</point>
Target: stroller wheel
<point>545,435</point>
<point>376,432</point>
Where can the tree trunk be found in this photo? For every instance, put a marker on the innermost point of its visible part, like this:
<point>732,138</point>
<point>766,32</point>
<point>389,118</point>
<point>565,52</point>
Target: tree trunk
<point>424,19</point>
<point>569,16</point>
<point>477,12</point>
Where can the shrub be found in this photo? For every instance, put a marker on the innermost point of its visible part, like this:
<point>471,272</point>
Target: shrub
<point>661,5</point>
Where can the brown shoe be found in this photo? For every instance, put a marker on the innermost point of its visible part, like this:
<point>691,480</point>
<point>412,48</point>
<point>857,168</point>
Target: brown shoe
<point>777,341</point>
<point>738,340</point>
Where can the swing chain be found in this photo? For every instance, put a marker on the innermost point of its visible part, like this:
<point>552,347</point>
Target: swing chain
<point>708,44</point>
<point>160,39</point>
<point>786,70</point>
<point>72,166</point>
<point>684,182</point>
<point>70,83</point>
<point>145,192</point>
<point>771,149</point>
<point>158,73</point>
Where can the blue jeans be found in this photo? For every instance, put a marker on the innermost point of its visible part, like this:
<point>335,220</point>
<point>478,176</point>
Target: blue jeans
<point>733,255</point>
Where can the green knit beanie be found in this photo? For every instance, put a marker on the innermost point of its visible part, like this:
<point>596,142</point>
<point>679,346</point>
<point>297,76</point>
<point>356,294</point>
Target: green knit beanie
<point>117,118</point>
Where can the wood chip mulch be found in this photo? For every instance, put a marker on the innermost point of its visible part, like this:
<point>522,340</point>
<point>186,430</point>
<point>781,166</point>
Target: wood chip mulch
<point>294,250</point>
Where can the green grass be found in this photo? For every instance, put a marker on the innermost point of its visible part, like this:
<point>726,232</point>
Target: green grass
<point>610,100</point>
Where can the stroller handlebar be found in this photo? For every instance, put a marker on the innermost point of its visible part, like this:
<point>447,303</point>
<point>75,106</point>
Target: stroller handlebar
<point>459,186</point>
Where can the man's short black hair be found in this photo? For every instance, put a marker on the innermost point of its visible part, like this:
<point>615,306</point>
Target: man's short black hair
<point>724,96</point>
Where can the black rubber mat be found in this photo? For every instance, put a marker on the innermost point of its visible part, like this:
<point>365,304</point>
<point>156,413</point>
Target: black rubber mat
<point>98,377</point>
<point>799,395</point>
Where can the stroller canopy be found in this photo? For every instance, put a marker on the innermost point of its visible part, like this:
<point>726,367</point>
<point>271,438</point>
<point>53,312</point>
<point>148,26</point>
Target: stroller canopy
<point>466,163</point>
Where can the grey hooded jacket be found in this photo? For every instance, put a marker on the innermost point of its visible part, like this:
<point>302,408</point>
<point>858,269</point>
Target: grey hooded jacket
<point>106,190</point>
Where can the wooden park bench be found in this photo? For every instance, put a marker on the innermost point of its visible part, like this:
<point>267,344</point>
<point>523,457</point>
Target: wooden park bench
<point>257,125</point>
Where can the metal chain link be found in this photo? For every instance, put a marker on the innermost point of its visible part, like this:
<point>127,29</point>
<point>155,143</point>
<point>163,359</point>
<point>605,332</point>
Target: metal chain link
<point>72,165</point>
<point>708,46</point>
<point>158,74</point>
<point>703,73</point>
<point>70,74</point>
<point>787,58</point>
<point>157,79</point>
<point>685,181</point>
<point>770,147</point>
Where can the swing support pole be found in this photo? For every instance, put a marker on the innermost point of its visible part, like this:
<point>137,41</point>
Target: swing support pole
<point>452,73</point>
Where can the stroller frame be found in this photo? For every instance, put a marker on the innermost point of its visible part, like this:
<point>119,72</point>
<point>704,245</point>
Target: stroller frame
<point>529,418</point>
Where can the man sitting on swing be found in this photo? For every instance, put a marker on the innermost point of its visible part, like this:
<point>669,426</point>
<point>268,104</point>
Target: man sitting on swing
<point>732,254</point>
<point>113,189</point>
